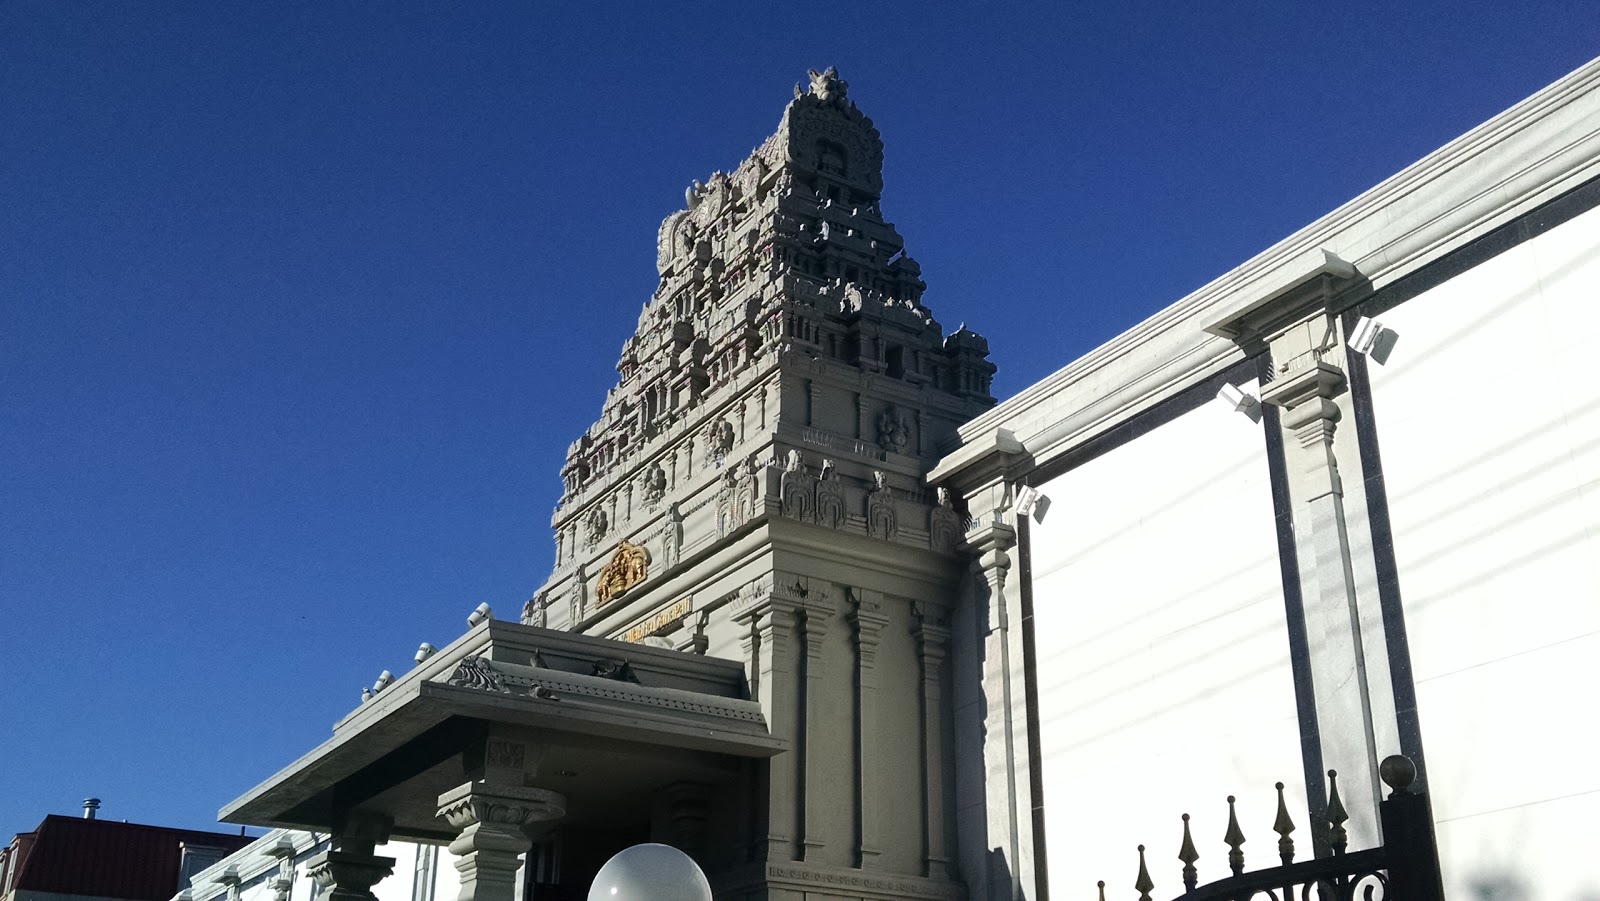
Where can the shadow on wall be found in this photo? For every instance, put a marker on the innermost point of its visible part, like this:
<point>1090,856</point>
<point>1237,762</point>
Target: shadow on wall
<point>1498,887</point>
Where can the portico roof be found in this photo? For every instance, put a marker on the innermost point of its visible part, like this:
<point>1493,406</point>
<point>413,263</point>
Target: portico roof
<point>608,721</point>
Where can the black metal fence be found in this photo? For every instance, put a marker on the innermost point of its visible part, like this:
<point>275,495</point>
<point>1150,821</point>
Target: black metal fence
<point>1404,868</point>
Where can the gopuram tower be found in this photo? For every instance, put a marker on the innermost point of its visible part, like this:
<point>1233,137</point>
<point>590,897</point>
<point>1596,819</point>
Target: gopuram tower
<point>754,490</point>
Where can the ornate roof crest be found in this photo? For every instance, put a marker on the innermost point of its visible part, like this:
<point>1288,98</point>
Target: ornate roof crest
<point>827,86</point>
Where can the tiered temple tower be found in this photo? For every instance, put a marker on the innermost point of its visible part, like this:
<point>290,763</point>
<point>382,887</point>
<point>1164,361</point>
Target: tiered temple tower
<point>754,489</point>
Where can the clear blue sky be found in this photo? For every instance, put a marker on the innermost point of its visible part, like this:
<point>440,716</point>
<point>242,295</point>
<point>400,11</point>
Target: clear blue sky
<point>302,302</point>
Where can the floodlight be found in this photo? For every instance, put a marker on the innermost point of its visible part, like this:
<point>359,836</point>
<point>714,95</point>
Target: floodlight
<point>1027,496</point>
<point>479,614</point>
<point>424,651</point>
<point>1371,338</point>
<point>385,679</point>
<point>1236,398</point>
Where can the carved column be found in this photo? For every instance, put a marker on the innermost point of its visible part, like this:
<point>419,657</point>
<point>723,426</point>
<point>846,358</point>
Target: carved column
<point>495,822</point>
<point>933,638</point>
<point>816,626</point>
<point>774,664</point>
<point>867,620</point>
<point>348,870</point>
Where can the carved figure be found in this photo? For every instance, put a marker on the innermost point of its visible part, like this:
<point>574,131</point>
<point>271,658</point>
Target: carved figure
<point>476,672</point>
<point>827,86</point>
<point>794,488</point>
<point>830,497</point>
<point>944,524</point>
<point>672,541</point>
<point>653,486</point>
<point>595,527</point>
<point>881,519</point>
<point>894,433</point>
<point>627,567</point>
<point>719,440</point>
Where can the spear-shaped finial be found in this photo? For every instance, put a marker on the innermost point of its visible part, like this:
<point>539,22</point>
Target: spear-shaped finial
<point>1143,884</point>
<point>1188,855</point>
<point>1337,837</point>
<point>1283,826</point>
<point>1234,838</point>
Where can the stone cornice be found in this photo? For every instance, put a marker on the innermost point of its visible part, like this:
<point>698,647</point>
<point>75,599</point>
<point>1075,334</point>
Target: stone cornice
<point>985,458</point>
<point>1507,167</point>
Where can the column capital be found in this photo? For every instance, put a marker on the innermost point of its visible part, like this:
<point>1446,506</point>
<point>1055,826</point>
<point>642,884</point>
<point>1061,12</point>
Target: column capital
<point>349,875</point>
<point>483,803</point>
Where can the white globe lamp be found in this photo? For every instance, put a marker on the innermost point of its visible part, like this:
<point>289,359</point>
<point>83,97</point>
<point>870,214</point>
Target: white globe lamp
<point>650,872</point>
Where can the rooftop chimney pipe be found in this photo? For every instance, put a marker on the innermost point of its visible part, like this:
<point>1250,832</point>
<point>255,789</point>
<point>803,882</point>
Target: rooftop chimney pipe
<point>90,805</point>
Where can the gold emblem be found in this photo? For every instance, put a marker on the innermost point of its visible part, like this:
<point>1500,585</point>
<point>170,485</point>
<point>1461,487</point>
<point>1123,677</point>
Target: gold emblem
<point>627,567</point>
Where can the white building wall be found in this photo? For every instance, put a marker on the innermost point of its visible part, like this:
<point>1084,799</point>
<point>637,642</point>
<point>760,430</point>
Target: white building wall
<point>1163,664</point>
<point>1488,418</point>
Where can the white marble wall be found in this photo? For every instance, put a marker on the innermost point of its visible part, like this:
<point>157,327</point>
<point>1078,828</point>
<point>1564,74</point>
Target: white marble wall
<point>1163,662</point>
<point>1488,418</point>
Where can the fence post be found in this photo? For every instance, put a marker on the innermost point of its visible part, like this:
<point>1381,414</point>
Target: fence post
<point>1408,835</point>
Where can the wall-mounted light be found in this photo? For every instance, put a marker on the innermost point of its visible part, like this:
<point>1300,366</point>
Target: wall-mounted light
<point>366,695</point>
<point>479,614</point>
<point>385,679</point>
<point>1236,398</point>
<point>1372,339</point>
<point>1030,502</point>
<point>424,651</point>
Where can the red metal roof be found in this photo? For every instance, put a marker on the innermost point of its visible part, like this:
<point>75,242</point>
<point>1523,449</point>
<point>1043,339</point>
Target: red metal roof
<point>107,859</point>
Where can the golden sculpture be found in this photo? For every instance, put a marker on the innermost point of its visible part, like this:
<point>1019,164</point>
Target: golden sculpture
<point>627,567</point>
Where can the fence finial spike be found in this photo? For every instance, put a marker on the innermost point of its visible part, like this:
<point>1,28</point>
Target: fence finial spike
<point>1283,826</point>
<point>1337,837</point>
<point>1102,884</point>
<point>1234,838</point>
<point>1143,884</point>
<point>1188,855</point>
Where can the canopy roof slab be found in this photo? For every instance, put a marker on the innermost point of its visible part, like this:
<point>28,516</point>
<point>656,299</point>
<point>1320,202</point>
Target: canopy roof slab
<point>603,722</point>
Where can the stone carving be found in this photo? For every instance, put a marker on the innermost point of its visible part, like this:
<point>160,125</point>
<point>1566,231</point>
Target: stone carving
<point>595,527</point>
<point>672,541</point>
<point>719,441</point>
<point>729,516</point>
<point>629,566</point>
<point>827,86</point>
<point>506,753</point>
<point>653,486</point>
<point>795,490</point>
<point>830,497</point>
<point>894,432</point>
<point>881,522</point>
<point>476,672</point>
<point>944,524</point>
<point>737,495</point>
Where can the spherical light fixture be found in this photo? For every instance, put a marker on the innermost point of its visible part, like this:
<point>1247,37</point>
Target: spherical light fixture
<point>650,873</point>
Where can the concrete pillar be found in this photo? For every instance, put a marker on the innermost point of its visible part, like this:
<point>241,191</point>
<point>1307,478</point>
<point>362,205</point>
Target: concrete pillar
<point>996,847</point>
<point>816,626</point>
<point>348,870</point>
<point>932,640</point>
<point>867,620</point>
<point>496,824</point>
<point>1339,675</point>
<point>772,622</point>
